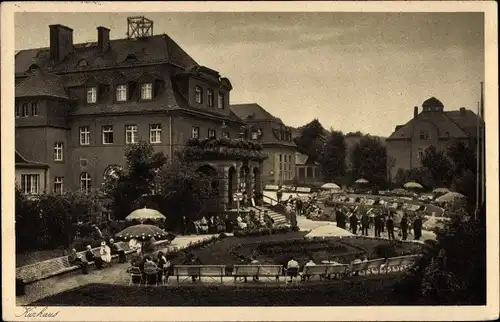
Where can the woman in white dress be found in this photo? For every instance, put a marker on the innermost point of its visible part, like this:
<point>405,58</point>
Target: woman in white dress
<point>204,225</point>
<point>241,224</point>
<point>105,252</point>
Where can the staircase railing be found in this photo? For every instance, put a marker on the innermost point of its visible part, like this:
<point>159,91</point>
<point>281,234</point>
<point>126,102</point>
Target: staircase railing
<point>269,200</point>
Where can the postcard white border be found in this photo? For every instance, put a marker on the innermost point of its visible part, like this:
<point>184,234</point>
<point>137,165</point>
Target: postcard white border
<point>490,311</point>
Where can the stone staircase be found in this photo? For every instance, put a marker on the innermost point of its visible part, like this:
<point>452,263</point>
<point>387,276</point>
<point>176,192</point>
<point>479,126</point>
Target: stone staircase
<point>279,219</point>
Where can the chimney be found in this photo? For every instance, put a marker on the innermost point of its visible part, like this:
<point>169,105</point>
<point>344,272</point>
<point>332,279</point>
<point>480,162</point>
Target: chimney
<point>462,111</point>
<point>61,42</point>
<point>415,112</point>
<point>102,39</point>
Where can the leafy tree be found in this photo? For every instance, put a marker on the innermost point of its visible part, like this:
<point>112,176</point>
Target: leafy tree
<point>438,165</point>
<point>334,155</point>
<point>369,160</point>
<point>183,192</point>
<point>453,269</point>
<point>311,140</point>
<point>136,180</point>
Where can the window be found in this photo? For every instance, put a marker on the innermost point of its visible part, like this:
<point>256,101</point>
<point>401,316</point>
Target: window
<point>147,91</point>
<point>131,134</point>
<point>290,158</point>
<point>225,135</point>
<point>107,134</point>
<point>255,135</point>
<point>420,153</point>
<point>424,135</point>
<point>58,185</point>
<point>155,133</point>
<point>25,110</point>
<point>210,98</point>
<point>280,158</point>
<point>121,93</point>
<point>34,109</point>
<point>221,101</point>
<point>30,183</point>
<point>84,135</point>
<point>195,132</point>
<point>447,134</point>
<point>58,151</point>
<point>92,95</point>
<point>18,110</point>
<point>85,182</point>
<point>199,95</point>
<point>211,133</point>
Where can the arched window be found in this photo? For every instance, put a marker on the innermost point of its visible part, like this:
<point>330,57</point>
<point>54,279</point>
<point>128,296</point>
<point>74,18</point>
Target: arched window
<point>85,182</point>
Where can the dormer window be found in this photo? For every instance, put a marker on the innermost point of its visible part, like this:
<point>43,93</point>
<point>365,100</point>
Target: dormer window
<point>147,91</point>
<point>92,95</point>
<point>220,101</point>
<point>210,98</point>
<point>199,95</point>
<point>33,67</point>
<point>424,135</point>
<point>131,58</point>
<point>121,93</point>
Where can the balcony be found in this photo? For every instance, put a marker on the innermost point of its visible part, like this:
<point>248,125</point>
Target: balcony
<point>223,149</point>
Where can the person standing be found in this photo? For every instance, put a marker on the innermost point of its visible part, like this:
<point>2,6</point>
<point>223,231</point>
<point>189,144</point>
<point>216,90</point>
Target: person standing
<point>417,227</point>
<point>390,227</point>
<point>365,224</point>
<point>279,195</point>
<point>403,225</point>
<point>353,220</point>
<point>342,219</point>
<point>378,224</point>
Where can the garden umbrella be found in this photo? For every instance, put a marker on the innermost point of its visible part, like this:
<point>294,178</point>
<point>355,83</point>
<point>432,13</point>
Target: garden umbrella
<point>361,181</point>
<point>142,233</point>
<point>330,186</point>
<point>413,185</point>
<point>451,197</point>
<point>441,190</point>
<point>144,214</point>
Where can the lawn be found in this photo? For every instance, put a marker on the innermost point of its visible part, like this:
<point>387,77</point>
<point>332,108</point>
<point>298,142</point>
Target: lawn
<point>32,257</point>
<point>340,293</point>
<point>277,249</point>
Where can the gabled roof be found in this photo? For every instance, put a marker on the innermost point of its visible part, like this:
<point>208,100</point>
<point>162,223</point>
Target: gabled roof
<point>439,119</point>
<point>466,120</point>
<point>150,49</point>
<point>304,159</point>
<point>41,83</point>
<point>252,111</point>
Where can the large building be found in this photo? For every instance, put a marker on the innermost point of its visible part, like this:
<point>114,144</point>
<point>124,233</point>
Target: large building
<point>431,127</point>
<point>275,137</point>
<point>78,106</point>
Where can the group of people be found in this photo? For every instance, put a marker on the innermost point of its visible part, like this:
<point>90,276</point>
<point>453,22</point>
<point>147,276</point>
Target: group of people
<point>381,219</point>
<point>101,259</point>
<point>149,269</point>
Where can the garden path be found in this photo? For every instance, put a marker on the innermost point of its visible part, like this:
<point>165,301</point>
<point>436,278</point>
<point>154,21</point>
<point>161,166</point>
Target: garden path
<point>114,274</point>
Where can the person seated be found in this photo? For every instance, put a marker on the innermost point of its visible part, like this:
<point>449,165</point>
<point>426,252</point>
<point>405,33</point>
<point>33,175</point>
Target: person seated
<point>90,257</point>
<point>241,223</point>
<point>150,270</point>
<point>309,263</point>
<point>75,259</point>
<point>292,268</point>
<point>135,271</point>
<point>116,249</point>
<point>356,261</point>
<point>254,261</point>
<point>192,259</point>
<point>204,225</point>
<point>105,252</point>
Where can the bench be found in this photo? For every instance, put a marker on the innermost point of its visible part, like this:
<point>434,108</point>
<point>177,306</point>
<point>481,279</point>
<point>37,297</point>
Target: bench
<point>373,266</point>
<point>187,271</point>
<point>323,271</point>
<point>267,271</point>
<point>57,266</point>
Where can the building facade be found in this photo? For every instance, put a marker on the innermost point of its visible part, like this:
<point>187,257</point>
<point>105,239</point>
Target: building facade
<point>431,127</point>
<point>307,171</point>
<point>275,137</point>
<point>78,106</point>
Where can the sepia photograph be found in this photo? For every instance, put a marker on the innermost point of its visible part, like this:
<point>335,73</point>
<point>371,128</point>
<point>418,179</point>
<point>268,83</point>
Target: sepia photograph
<point>229,156</point>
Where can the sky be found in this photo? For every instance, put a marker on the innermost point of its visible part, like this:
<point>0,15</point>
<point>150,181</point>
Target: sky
<point>353,71</point>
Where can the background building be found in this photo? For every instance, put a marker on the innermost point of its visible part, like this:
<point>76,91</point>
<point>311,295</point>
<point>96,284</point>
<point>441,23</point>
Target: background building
<point>275,137</point>
<point>78,106</point>
<point>431,127</point>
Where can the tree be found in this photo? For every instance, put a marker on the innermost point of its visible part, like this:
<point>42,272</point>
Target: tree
<point>183,192</point>
<point>137,179</point>
<point>453,269</point>
<point>311,140</point>
<point>334,154</point>
<point>438,165</point>
<point>369,160</point>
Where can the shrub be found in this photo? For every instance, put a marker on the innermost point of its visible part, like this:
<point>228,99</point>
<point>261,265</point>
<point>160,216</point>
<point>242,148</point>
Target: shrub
<point>81,243</point>
<point>385,250</point>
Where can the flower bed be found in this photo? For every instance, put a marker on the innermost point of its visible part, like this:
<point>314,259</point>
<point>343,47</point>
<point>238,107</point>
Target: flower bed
<point>223,149</point>
<point>263,231</point>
